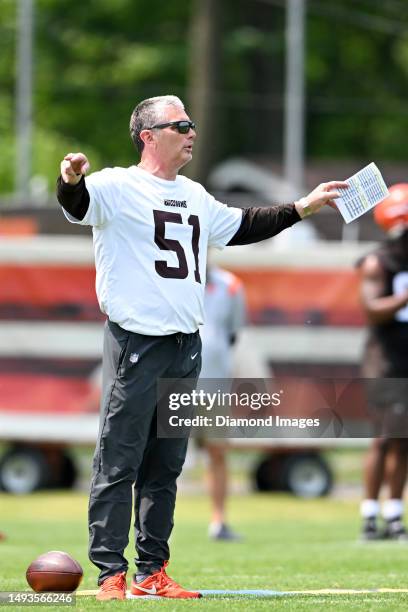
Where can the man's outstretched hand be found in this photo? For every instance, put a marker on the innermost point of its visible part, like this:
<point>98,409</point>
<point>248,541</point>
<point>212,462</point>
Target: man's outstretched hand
<point>73,167</point>
<point>323,195</point>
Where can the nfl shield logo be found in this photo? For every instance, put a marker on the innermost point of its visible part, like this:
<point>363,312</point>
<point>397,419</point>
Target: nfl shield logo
<point>134,357</point>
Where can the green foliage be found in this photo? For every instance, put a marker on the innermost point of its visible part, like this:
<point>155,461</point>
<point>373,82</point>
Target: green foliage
<point>356,76</point>
<point>91,67</point>
<point>95,66</point>
<point>93,62</point>
<point>7,37</point>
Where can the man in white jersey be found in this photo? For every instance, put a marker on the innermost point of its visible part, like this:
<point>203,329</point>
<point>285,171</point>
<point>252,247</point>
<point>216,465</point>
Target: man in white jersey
<point>151,229</point>
<point>225,315</point>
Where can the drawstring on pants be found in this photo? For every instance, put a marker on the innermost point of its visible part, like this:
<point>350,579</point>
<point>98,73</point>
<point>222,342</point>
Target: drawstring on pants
<point>180,338</point>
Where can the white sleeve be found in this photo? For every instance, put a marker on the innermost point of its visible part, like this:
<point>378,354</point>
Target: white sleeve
<point>105,193</point>
<point>224,222</point>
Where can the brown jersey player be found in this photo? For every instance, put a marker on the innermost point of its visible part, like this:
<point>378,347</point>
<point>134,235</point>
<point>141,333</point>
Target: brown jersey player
<point>384,293</point>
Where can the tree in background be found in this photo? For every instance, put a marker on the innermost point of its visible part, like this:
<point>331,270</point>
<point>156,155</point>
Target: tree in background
<point>94,64</point>
<point>91,67</point>
<point>357,71</point>
<point>7,37</point>
<point>203,83</point>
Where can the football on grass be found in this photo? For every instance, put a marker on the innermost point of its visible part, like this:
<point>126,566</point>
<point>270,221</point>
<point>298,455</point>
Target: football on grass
<point>54,571</point>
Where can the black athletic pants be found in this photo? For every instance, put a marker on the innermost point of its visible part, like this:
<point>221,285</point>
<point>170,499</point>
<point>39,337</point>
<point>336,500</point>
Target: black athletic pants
<point>128,452</point>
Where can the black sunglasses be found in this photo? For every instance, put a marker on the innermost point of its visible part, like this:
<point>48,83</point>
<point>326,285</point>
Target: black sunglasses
<point>183,127</point>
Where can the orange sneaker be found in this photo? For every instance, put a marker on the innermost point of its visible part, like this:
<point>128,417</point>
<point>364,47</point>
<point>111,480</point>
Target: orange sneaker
<point>113,587</point>
<point>161,585</point>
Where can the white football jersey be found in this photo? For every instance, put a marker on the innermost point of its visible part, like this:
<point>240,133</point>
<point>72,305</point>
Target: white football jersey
<point>151,238</point>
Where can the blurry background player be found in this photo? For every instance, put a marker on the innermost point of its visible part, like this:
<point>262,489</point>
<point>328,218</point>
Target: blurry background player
<point>225,314</point>
<point>384,292</point>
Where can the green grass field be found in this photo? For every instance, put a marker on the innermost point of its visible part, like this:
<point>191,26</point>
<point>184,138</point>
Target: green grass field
<point>289,545</point>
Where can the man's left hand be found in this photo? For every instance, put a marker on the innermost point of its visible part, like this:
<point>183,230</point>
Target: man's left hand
<point>323,195</point>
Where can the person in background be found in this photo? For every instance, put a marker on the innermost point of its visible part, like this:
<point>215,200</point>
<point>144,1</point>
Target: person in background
<point>225,314</point>
<point>384,293</point>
